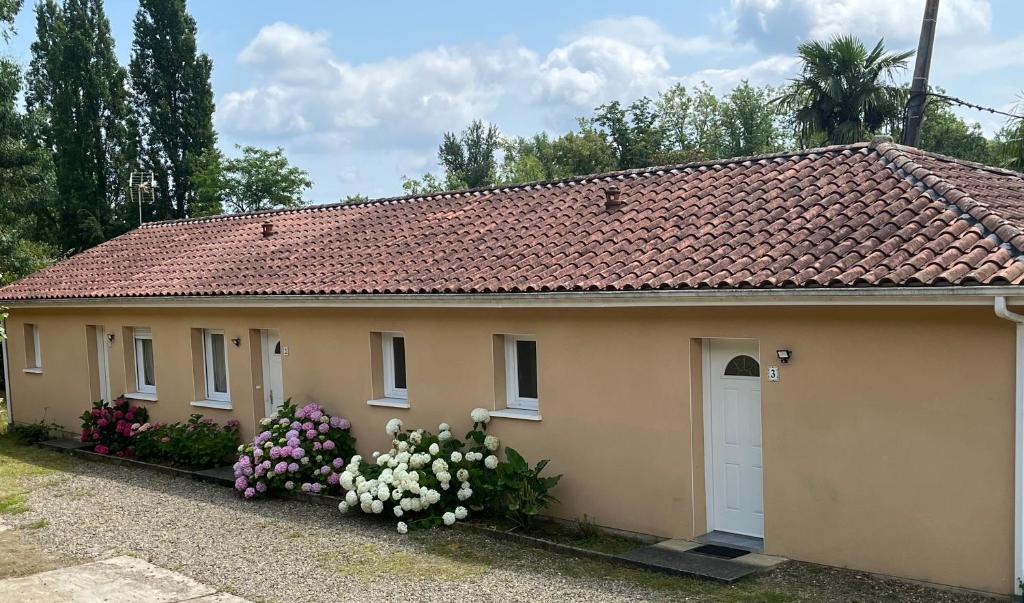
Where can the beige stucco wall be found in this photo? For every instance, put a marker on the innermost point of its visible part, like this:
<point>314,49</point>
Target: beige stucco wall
<point>888,442</point>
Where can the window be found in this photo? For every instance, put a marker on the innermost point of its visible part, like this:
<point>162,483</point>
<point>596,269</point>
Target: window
<point>145,372</point>
<point>743,366</point>
<point>33,352</point>
<point>215,358</point>
<point>394,366</point>
<point>521,372</point>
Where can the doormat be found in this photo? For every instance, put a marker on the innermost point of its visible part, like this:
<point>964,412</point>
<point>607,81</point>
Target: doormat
<point>722,552</point>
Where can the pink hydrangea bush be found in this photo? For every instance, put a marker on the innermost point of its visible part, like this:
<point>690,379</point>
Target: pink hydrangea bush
<point>111,427</point>
<point>300,449</point>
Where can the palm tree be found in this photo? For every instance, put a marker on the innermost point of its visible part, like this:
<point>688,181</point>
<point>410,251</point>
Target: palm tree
<point>844,92</point>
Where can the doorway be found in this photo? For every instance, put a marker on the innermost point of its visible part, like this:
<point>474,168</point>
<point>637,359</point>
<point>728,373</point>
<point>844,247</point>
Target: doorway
<point>732,437</point>
<point>273,371</point>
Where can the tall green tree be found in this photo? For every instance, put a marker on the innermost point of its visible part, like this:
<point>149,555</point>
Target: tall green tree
<point>540,157</point>
<point>468,158</point>
<point>844,93</point>
<point>78,89</point>
<point>260,179</point>
<point>173,103</point>
<point>633,132</point>
<point>26,174</point>
<point>749,122</point>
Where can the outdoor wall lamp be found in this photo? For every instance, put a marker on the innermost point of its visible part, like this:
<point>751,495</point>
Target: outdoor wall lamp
<point>784,355</point>
<point>110,338</point>
<point>237,341</point>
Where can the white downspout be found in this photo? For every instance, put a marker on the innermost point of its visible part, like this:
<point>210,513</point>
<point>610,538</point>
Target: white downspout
<point>7,375</point>
<point>1018,456</point>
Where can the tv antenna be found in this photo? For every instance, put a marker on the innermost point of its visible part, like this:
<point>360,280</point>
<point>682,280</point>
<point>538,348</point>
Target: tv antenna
<point>142,188</point>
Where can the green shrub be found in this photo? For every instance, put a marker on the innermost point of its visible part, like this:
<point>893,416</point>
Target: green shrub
<point>521,492</point>
<point>199,443</point>
<point>33,433</point>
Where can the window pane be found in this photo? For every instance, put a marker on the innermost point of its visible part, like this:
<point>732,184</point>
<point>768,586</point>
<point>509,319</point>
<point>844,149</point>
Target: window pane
<point>148,373</point>
<point>220,372</point>
<point>526,363</point>
<point>398,353</point>
<point>742,366</point>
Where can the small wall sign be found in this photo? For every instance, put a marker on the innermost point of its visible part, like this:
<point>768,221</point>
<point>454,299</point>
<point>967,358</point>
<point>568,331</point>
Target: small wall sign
<point>773,373</point>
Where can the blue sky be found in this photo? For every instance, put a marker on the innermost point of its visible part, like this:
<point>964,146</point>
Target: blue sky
<point>360,93</point>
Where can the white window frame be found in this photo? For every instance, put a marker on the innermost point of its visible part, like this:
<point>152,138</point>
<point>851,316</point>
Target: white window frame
<point>512,397</point>
<point>211,393</point>
<point>38,360</point>
<point>139,334</point>
<point>388,357</point>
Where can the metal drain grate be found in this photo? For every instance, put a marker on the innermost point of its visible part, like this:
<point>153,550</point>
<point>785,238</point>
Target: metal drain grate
<point>722,552</point>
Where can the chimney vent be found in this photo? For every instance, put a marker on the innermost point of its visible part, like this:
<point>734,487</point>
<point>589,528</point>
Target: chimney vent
<point>612,198</point>
<point>268,229</point>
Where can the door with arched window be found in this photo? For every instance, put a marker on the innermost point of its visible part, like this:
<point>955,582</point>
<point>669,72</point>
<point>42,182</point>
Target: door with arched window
<point>273,372</point>
<point>732,437</point>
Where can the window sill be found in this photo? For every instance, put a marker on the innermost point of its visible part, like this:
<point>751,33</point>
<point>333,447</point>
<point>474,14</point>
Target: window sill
<point>147,397</point>
<point>221,404</point>
<point>33,371</point>
<point>389,402</point>
<point>516,413</point>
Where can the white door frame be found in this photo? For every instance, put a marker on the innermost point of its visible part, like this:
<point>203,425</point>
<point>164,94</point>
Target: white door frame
<point>103,363</point>
<point>268,389</point>
<point>709,478</point>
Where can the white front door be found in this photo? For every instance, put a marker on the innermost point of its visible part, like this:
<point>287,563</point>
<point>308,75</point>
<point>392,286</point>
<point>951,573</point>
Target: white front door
<point>102,359</point>
<point>733,451</point>
<point>273,372</point>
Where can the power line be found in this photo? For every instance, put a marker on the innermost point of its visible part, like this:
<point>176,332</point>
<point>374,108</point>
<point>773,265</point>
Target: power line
<point>960,101</point>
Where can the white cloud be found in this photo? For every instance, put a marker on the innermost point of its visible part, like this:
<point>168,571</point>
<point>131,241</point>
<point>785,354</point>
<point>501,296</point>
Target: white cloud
<point>305,91</point>
<point>780,24</point>
<point>594,69</point>
<point>645,32</point>
<point>772,70</point>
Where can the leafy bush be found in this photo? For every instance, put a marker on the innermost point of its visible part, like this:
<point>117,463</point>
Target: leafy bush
<point>416,480</point>
<point>200,443</point>
<point>301,448</point>
<point>33,433</point>
<point>522,492</point>
<point>111,427</point>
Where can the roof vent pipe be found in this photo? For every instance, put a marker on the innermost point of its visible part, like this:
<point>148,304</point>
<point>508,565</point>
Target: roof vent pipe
<point>612,197</point>
<point>268,229</point>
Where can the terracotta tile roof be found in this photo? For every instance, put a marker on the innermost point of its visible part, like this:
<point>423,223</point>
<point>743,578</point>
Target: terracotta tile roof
<point>874,214</point>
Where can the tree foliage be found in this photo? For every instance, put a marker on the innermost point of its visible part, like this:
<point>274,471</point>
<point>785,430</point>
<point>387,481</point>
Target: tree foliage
<point>469,157</point>
<point>173,103</point>
<point>78,90</point>
<point>844,92</point>
<point>258,180</point>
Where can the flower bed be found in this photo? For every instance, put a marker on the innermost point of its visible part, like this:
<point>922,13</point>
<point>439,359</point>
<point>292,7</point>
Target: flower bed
<point>300,448</point>
<point>197,444</point>
<point>427,480</point>
<point>111,427</point>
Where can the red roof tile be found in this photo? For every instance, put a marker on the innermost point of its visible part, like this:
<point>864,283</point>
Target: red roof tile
<point>858,215</point>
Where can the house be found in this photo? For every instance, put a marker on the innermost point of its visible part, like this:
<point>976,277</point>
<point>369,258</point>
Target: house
<point>817,348</point>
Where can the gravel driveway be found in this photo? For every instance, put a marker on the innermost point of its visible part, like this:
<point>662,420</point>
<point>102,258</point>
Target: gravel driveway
<point>275,550</point>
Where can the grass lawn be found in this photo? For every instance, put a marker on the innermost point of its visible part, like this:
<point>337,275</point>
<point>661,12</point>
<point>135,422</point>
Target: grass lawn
<point>19,468</point>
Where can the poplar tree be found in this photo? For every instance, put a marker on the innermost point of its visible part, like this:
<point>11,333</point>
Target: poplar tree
<point>77,89</point>
<point>173,103</point>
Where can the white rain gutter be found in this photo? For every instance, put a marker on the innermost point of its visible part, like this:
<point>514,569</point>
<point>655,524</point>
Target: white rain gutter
<point>1002,311</point>
<point>7,375</point>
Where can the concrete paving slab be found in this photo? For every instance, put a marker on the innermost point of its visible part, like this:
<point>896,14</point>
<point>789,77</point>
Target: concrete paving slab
<point>117,580</point>
<point>64,444</point>
<point>688,563</point>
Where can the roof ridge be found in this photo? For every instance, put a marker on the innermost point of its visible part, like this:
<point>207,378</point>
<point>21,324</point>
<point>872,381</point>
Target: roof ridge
<point>520,185</point>
<point>901,157</point>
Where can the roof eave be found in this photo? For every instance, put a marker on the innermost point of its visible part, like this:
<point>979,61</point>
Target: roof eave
<point>954,295</point>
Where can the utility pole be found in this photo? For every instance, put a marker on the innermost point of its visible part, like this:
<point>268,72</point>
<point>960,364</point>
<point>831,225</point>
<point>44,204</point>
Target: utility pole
<point>919,86</point>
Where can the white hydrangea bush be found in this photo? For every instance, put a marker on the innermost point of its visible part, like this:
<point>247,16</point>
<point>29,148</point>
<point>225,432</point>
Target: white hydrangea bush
<point>425,480</point>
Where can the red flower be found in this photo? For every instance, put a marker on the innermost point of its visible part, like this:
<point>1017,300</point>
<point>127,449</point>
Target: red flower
<point>101,449</point>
